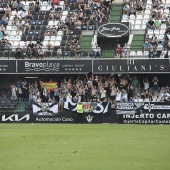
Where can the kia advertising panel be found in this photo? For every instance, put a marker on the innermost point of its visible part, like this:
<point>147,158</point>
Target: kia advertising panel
<point>15,118</point>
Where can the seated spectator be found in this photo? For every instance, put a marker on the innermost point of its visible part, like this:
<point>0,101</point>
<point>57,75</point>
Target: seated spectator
<point>75,39</point>
<point>39,41</point>
<point>159,12</point>
<point>168,44</point>
<point>48,31</point>
<point>60,25</point>
<point>152,52</point>
<point>4,20</point>
<point>2,29</point>
<point>125,51</point>
<point>107,5</point>
<point>59,52</point>
<point>18,53</point>
<point>40,53</point>
<point>150,24</point>
<point>7,11</point>
<point>77,52</point>
<point>67,21</point>
<point>146,46</point>
<point>164,19</point>
<point>26,27</point>
<point>153,14</point>
<point>14,5</point>
<point>85,19</point>
<point>103,18</point>
<point>118,51</point>
<point>157,24</point>
<point>159,49</point>
<point>31,45</point>
<point>165,96</point>
<point>53,31</point>
<point>29,52</point>
<point>37,5</point>
<point>139,8</point>
<point>15,20</point>
<point>59,8</point>
<point>31,6</point>
<point>29,16</point>
<point>1,35</point>
<point>55,2</point>
<point>65,29</point>
<point>77,24</point>
<point>153,43</point>
<point>52,15</point>
<point>21,6</point>
<point>49,45</point>
<point>20,26</point>
<point>87,9</point>
<point>58,16</point>
<point>8,46</point>
<point>126,9</point>
<point>97,51</point>
<point>163,54</point>
<point>132,10</point>
<point>24,50</point>
<point>3,42</point>
<point>24,14</point>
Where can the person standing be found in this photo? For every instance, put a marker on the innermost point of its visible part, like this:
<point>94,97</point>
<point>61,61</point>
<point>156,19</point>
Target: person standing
<point>155,85</point>
<point>14,92</point>
<point>25,90</point>
<point>61,103</point>
<point>118,51</point>
<point>79,113</point>
<point>102,94</point>
<point>136,85</point>
<point>57,93</point>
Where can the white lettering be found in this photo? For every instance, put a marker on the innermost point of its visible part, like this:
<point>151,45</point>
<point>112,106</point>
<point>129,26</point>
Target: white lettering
<point>15,117</point>
<point>100,68</point>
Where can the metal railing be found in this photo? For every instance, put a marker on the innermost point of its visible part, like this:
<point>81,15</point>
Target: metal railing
<point>87,53</point>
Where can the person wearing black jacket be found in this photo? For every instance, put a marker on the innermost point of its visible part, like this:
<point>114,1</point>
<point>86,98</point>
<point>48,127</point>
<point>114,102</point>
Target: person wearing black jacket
<point>18,53</point>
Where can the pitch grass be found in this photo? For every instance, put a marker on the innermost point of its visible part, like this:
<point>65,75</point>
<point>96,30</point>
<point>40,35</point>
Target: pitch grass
<point>84,147</point>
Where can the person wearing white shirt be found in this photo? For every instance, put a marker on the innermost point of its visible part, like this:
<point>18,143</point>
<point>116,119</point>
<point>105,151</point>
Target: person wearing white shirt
<point>102,94</point>
<point>165,96</point>
<point>24,14</point>
<point>118,96</point>
<point>59,52</point>
<point>146,83</point>
<point>14,90</point>
<point>97,51</point>
<point>124,97</point>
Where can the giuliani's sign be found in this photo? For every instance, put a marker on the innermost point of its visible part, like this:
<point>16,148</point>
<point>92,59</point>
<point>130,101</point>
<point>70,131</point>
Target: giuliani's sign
<point>131,66</point>
<point>113,29</point>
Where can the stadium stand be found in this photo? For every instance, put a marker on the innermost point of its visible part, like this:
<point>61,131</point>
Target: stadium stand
<point>56,23</point>
<point>114,88</point>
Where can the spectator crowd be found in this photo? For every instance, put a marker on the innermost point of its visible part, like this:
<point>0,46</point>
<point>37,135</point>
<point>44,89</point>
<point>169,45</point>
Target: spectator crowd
<point>113,88</point>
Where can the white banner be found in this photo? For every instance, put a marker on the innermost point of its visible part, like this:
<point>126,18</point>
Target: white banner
<point>45,109</point>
